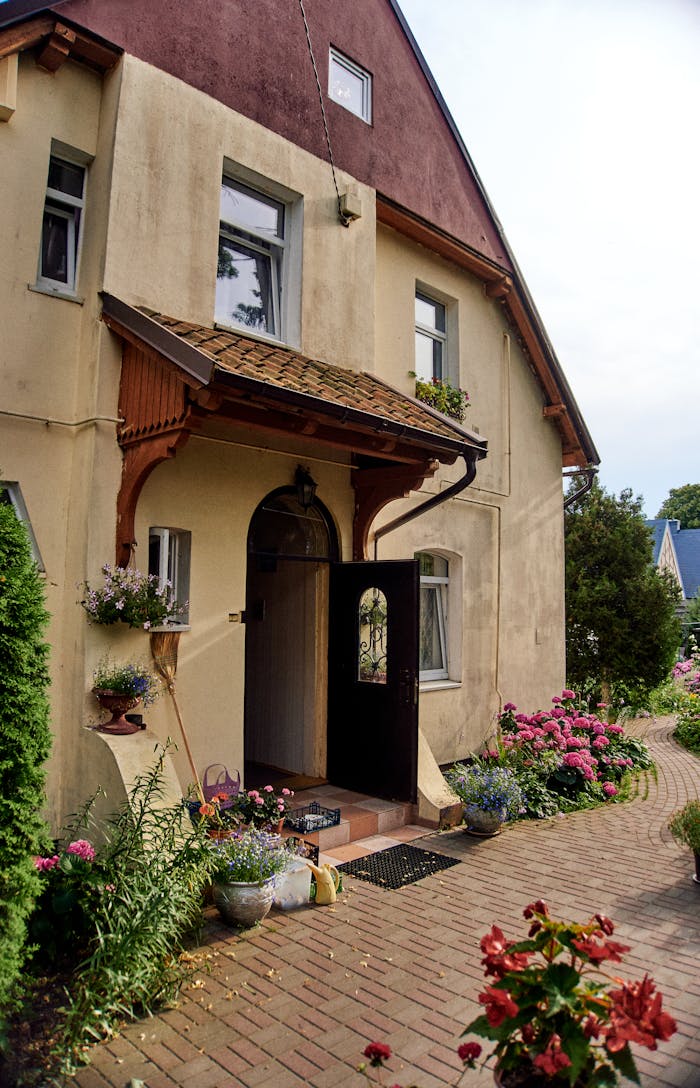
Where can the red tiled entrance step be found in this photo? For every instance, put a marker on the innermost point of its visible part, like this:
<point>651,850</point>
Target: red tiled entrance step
<point>360,816</point>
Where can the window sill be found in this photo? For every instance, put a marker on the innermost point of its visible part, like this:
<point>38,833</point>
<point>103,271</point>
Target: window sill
<point>251,334</point>
<point>438,685</point>
<point>56,292</point>
<point>166,627</point>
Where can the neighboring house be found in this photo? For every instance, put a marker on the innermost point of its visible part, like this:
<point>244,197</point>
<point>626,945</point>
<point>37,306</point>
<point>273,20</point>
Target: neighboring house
<point>677,551</point>
<point>202,319</point>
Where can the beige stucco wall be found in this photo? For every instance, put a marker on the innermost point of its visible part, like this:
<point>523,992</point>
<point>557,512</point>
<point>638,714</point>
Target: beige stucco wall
<point>150,238</point>
<point>503,537</point>
<point>67,468</point>
<point>212,489</point>
<point>171,145</point>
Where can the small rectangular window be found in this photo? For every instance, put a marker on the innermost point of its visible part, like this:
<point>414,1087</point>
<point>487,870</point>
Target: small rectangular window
<point>169,559</point>
<point>251,252</point>
<point>431,339</point>
<point>62,224</point>
<point>11,495</point>
<point>350,85</point>
<point>434,583</point>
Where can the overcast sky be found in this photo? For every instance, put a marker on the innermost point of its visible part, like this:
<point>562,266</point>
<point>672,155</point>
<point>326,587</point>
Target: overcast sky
<point>583,120</point>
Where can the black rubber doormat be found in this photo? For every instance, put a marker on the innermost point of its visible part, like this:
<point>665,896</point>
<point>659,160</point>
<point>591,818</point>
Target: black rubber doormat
<point>397,866</point>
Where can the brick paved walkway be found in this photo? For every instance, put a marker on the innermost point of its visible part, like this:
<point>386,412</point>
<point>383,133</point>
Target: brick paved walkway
<point>294,1002</point>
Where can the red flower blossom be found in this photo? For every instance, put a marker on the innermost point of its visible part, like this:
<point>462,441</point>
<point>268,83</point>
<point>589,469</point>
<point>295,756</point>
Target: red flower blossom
<point>468,1053</point>
<point>551,1060</point>
<point>538,907</point>
<point>605,924</point>
<point>596,953</point>
<point>637,1017</point>
<point>377,1053</point>
<point>498,960</point>
<point>499,1005</point>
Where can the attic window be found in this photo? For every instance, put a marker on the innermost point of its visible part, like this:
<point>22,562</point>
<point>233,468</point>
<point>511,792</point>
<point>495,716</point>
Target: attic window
<point>350,85</point>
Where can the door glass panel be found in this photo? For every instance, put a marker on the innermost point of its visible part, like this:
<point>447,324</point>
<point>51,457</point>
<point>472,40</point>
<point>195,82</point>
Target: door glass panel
<point>372,647</point>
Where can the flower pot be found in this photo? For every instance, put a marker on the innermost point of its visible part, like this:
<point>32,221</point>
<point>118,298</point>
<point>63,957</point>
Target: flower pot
<point>118,704</point>
<point>244,904</point>
<point>481,823</point>
<point>293,886</point>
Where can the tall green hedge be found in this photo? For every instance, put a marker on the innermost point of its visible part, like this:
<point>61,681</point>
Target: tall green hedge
<point>25,740</point>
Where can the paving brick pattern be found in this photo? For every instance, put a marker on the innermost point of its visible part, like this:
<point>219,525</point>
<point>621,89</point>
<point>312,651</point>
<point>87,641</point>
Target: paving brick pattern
<point>295,1001</point>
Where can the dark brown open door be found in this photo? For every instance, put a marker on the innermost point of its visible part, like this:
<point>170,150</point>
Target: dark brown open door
<point>373,678</point>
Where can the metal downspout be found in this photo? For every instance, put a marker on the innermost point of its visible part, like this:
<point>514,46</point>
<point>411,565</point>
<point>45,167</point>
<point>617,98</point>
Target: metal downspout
<point>589,473</point>
<point>434,500</point>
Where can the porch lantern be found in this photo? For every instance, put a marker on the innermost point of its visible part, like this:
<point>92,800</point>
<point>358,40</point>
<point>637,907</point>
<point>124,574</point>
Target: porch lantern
<point>306,487</point>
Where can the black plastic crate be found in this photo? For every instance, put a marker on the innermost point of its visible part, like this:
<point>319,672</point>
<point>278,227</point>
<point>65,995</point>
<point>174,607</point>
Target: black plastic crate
<point>313,817</point>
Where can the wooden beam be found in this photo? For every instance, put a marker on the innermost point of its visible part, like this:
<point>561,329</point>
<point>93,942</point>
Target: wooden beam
<point>56,50</point>
<point>374,488</point>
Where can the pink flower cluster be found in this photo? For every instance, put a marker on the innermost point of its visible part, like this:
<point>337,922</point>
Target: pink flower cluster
<point>582,739</point>
<point>81,848</point>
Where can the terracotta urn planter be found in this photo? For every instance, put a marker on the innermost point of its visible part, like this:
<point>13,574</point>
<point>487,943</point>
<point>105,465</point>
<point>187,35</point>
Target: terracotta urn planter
<point>118,704</point>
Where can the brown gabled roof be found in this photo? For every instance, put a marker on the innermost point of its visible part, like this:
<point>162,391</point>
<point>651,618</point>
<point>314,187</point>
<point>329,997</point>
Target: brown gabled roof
<point>261,373</point>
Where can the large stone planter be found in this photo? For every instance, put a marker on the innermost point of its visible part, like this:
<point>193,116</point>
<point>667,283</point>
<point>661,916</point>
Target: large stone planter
<point>481,823</point>
<point>244,904</point>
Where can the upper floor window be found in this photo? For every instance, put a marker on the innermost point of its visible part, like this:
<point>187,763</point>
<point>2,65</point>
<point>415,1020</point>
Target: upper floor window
<point>249,271</point>
<point>434,583</point>
<point>350,85</point>
<point>431,339</point>
<point>62,225</point>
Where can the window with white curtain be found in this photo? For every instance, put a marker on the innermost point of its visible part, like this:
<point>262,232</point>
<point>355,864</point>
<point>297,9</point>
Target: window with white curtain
<point>434,583</point>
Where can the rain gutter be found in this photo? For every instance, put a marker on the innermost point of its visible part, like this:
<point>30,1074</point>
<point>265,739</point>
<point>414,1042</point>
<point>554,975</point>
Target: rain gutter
<point>470,460</point>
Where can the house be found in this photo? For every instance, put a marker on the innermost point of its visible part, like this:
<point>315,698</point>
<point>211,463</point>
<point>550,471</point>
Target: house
<point>677,551</point>
<point>230,238</point>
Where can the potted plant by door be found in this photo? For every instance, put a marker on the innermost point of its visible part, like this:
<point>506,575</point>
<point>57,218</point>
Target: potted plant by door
<point>118,688</point>
<point>264,808</point>
<point>684,825</point>
<point>490,795</point>
<point>245,867</point>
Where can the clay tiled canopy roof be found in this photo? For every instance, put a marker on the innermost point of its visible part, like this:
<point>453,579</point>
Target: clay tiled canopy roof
<point>179,377</point>
<point>253,374</point>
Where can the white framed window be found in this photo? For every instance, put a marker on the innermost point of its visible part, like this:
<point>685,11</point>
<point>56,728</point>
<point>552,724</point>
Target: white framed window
<point>11,495</point>
<point>350,85</point>
<point>169,558</point>
<point>434,586</point>
<point>431,339</point>
<point>62,223</point>
<point>250,267</point>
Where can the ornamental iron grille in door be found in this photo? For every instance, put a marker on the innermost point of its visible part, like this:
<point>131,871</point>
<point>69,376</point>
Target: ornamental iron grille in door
<point>373,636</point>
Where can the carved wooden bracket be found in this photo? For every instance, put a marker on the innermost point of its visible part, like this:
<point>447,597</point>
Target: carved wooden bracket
<point>157,421</point>
<point>139,461</point>
<point>57,49</point>
<point>375,487</point>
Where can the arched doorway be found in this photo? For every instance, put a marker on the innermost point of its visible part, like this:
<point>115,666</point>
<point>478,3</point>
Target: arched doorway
<point>290,547</point>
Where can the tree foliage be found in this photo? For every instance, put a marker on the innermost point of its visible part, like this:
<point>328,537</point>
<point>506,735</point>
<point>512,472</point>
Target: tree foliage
<point>24,739</point>
<point>622,631</point>
<point>683,504</point>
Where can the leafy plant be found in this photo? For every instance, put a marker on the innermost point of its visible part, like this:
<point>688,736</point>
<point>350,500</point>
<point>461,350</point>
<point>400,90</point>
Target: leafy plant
<point>491,789</point>
<point>25,741</point>
<point>62,925</point>
<point>129,678</point>
<point>128,596</point>
<point>157,865</point>
<point>683,504</point>
<point>444,397</point>
<point>685,826</point>
<point>552,1009</point>
<point>248,857</point>
<point>264,806</point>
<point>621,624</point>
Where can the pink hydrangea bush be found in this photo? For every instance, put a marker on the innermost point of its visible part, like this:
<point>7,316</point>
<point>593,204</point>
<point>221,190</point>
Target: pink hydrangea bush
<point>73,882</point>
<point>566,757</point>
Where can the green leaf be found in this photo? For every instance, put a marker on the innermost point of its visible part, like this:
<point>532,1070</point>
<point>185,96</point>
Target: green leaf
<point>623,1060</point>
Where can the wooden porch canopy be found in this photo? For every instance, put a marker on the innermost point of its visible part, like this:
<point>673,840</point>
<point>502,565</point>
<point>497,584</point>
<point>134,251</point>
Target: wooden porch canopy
<point>178,376</point>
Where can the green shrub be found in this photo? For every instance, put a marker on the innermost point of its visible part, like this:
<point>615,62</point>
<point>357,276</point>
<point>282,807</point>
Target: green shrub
<point>154,866</point>
<point>24,740</point>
